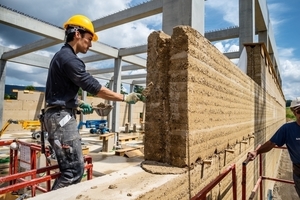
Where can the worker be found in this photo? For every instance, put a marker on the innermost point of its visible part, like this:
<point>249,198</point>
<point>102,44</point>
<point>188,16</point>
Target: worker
<point>67,73</point>
<point>287,134</point>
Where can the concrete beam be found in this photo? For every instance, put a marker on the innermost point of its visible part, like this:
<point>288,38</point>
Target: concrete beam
<point>146,9</point>
<point>29,59</point>
<point>133,76</point>
<point>33,60</point>
<point>55,35</point>
<point>110,70</point>
<point>133,50</point>
<point>225,34</point>
<point>139,82</point>
<point>29,24</point>
<point>41,44</point>
<point>94,58</point>
<point>135,60</point>
<point>232,55</point>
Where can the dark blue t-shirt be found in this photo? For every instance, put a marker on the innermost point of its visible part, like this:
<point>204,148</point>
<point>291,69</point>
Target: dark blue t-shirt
<point>289,134</point>
<point>65,76</point>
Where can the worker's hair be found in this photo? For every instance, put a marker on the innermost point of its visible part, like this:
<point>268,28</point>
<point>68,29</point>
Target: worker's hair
<point>70,34</point>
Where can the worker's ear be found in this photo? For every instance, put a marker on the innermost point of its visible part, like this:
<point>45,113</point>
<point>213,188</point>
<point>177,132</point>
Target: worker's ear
<point>77,35</point>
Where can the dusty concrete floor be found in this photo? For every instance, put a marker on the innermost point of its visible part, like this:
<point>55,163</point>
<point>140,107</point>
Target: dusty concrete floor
<point>104,163</point>
<point>107,163</point>
<point>285,191</point>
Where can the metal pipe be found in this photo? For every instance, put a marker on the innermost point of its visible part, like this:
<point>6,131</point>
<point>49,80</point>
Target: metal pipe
<point>202,194</point>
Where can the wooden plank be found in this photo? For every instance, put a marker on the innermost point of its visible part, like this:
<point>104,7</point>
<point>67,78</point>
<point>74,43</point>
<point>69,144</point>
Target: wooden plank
<point>121,152</point>
<point>127,138</point>
<point>105,136</point>
<point>134,153</point>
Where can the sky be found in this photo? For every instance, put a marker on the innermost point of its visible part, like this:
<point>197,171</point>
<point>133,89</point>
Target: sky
<point>219,14</point>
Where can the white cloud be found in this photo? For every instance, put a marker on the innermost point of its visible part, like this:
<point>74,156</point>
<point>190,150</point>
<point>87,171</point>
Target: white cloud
<point>229,9</point>
<point>220,46</point>
<point>128,35</point>
<point>136,33</point>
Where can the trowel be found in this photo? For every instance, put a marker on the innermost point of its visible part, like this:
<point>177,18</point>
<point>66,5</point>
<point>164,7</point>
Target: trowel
<point>146,92</point>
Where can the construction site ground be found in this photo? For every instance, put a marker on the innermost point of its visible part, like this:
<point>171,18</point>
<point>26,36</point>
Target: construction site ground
<point>104,163</point>
<point>284,191</point>
<point>111,171</point>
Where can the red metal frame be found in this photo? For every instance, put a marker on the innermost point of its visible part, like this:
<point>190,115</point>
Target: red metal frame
<point>202,194</point>
<point>260,179</point>
<point>17,180</point>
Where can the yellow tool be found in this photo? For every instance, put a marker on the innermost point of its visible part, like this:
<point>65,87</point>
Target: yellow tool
<point>26,124</point>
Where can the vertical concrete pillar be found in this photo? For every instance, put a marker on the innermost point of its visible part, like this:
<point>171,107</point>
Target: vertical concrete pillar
<point>83,98</point>
<point>130,108</point>
<point>183,12</point>
<point>246,22</point>
<point>117,89</point>
<point>2,86</point>
<point>109,117</point>
<point>263,37</point>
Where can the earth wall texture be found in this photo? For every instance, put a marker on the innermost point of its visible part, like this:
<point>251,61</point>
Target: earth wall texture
<point>204,109</point>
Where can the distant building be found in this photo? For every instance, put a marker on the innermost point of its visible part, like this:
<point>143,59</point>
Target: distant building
<point>9,88</point>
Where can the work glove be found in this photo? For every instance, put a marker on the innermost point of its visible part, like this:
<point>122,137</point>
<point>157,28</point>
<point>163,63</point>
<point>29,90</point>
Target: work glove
<point>131,98</point>
<point>85,108</point>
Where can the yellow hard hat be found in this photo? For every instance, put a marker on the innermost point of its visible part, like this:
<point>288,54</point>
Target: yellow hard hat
<point>82,21</point>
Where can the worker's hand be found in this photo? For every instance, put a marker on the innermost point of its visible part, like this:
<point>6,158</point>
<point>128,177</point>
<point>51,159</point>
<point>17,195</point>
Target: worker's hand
<point>252,155</point>
<point>132,98</point>
<point>85,108</point>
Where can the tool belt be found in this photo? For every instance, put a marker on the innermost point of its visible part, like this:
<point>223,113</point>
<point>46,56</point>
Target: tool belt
<point>58,107</point>
<point>74,111</point>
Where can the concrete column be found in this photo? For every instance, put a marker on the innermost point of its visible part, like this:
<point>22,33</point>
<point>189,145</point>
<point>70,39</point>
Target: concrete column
<point>117,89</point>
<point>263,37</point>
<point>130,107</point>
<point>109,117</point>
<point>247,21</point>
<point>2,86</point>
<point>83,98</point>
<point>183,12</point>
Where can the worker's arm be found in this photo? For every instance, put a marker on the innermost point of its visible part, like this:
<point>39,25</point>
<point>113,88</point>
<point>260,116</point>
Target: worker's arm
<point>267,146</point>
<point>107,94</point>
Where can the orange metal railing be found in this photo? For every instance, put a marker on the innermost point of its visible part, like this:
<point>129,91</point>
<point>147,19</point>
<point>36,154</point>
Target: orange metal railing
<point>17,180</point>
<point>202,194</point>
<point>260,179</point>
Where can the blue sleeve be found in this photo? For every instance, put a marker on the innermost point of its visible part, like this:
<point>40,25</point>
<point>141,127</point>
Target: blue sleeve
<point>75,70</point>
<point>279,138</point>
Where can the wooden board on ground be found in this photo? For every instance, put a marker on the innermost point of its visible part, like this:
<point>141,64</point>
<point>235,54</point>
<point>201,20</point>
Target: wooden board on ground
<point>127,138</point>
<point>134,153</point>
<point>129,152</point>
<point>106,136</point>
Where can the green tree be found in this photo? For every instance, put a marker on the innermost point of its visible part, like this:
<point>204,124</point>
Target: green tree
<point>289,114</point>
<point>138,89</point>
<point>30,87</point>
<point>288,103</point>
<point>122,88</point>
<point>6,96</point>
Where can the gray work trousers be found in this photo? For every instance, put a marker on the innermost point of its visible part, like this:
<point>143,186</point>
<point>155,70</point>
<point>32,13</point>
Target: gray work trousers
<point>64,137</point>
<point>296,177</point>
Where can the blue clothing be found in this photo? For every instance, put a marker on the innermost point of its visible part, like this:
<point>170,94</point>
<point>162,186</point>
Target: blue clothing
<point>66,75</point>
<point>289,134</point>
